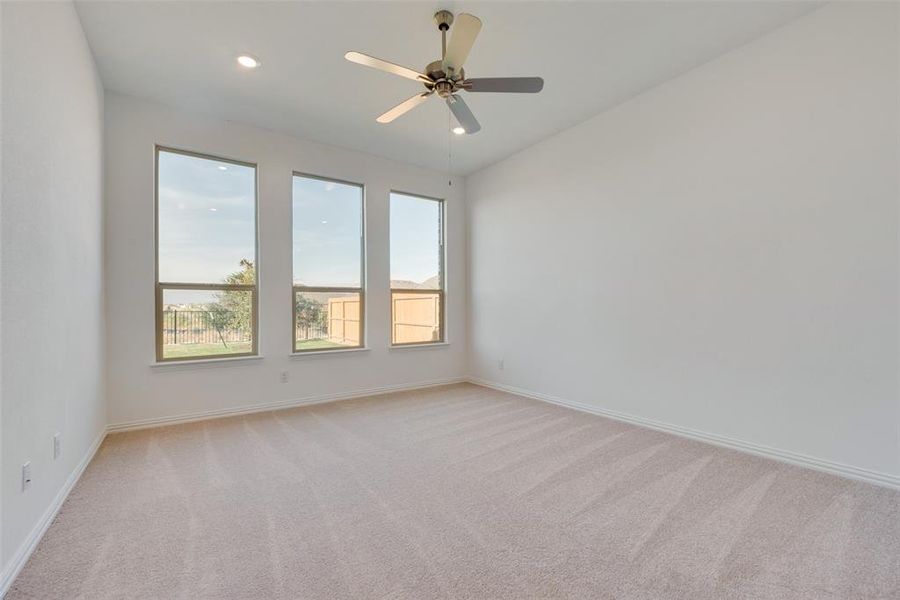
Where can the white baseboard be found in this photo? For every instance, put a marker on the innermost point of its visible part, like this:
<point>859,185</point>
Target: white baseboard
<point>267,406</point>
<point>802,460</point>
<point>34,537</point>
<point>22,555</point>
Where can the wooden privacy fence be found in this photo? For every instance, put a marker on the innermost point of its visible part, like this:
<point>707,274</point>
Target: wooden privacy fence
<point>416,317</point>
<point>343,320</point>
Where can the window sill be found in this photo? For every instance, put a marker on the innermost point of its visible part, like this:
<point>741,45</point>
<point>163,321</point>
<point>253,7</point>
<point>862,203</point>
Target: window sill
<point>424,345</point>
<point>318,353</point>
<point>203,363</point>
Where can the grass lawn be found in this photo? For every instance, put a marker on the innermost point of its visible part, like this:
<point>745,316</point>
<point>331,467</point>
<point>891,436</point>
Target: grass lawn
<point>206,350</point>
<point>317,345</point>
<point>203,350</point>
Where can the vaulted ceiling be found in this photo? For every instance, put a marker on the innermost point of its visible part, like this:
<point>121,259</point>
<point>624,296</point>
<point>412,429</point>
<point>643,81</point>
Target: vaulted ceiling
<point>591,55</point>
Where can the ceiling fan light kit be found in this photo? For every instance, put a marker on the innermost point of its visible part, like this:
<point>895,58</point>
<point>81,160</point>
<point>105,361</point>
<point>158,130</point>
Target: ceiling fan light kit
<point>446,77</point>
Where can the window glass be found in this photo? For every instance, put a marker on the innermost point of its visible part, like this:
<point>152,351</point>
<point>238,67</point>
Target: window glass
<point>207,218</point>
<point>206,257</point>
<point>328,251</point>
<point>327,220</point>
<point>417,278</point>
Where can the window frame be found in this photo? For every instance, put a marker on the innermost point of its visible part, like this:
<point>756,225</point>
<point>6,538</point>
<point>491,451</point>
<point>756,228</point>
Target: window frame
<point>162,286</point>
<point>361,290</point>
<point>442,273</point>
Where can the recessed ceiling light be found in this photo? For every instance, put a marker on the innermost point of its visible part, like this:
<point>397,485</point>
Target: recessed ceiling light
<point>213,209</point>
<point>223,168</point>
<point>247,61</point>
<point>458,130</point>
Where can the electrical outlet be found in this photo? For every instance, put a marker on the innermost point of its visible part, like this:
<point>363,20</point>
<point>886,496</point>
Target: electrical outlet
<point>56,446</point>
<point>26,476</point>
<point>284,377</point>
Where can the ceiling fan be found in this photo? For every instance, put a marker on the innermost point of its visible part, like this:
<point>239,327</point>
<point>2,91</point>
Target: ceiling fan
<point>446,77</point>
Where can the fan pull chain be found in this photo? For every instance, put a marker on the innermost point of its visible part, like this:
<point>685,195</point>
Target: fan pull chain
<point>449,150</point>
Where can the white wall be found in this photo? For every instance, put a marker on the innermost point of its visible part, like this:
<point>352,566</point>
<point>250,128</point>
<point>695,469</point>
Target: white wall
<point>138,391</point>
<point>719,253</point>
<point>52,258</point>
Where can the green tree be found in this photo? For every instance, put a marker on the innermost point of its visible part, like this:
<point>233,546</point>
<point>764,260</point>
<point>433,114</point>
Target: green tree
<point>219,318</point>
<point>310,313</point>
<point>239,303</point>
<point>233,309</point>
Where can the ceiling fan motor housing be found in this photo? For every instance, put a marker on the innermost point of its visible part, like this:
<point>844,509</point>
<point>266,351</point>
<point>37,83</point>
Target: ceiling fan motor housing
<point>443,85</point>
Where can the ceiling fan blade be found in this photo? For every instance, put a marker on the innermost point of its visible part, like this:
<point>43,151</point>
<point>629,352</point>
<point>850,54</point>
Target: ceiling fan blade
<point>518,85</point>
<point>403,107</point>
<point>463,115</point>
<point>465,30</point>
<point>376,63</point>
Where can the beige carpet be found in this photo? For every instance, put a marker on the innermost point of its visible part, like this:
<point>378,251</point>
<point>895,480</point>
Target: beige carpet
<point>456,492</point>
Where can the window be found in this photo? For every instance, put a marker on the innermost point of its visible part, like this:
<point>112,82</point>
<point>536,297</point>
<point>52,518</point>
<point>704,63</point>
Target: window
<point>417,273</point>
<point>206,292</point>
<point>328,294</point>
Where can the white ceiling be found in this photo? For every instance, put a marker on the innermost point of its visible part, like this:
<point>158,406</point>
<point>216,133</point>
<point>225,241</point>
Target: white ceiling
<point>591,56</point>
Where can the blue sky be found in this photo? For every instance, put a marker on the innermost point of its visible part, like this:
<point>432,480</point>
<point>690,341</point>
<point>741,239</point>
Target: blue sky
<point>327,227</point>
<point>207,225</point>
<point>207,221</point>
<point>415,238</point>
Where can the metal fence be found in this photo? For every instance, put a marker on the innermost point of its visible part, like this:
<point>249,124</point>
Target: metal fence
<point>193,327</point>
<point>311,332</point>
